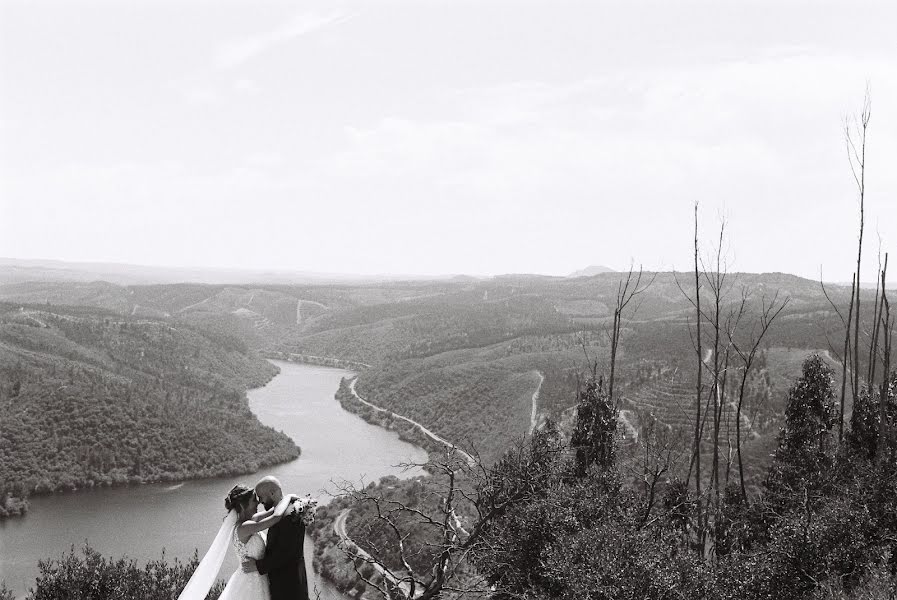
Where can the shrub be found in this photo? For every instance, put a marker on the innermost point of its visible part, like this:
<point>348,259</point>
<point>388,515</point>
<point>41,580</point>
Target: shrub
<point>91,576</point>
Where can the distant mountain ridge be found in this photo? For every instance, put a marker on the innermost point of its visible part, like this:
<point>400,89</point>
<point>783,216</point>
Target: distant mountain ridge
<point>15,270</point>
<point>592,270</point>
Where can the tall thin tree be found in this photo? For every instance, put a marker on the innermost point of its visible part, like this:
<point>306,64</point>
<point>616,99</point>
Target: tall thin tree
<point>748,353</point>
<point>855,138</point>
<point>627,289</point>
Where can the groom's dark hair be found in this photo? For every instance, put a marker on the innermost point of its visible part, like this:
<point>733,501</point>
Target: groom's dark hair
<point>238,497</point>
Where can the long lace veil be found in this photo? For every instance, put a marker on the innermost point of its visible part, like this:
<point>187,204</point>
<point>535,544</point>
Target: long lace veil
<point>207,571</point>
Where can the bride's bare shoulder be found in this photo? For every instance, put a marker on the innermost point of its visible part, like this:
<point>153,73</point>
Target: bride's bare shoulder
<point>245,530</point>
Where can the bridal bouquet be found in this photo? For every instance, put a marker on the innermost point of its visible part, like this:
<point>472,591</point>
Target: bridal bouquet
<point>303,509</point>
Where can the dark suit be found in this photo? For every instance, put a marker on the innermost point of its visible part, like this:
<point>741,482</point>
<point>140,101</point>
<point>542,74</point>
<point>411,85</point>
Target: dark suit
<point>284,562</point>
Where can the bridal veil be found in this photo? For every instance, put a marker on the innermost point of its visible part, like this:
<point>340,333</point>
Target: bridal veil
<point>207,571</point>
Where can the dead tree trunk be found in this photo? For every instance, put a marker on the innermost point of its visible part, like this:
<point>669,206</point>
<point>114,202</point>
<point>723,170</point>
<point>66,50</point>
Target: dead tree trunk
<point>883,421</point>
<point>845,360</point>
<point>716,281</point>
<point>748,353</point>
<point>876,315</point>
<point>699,385</point>
<point>856,155</point>
<point>627,289</point>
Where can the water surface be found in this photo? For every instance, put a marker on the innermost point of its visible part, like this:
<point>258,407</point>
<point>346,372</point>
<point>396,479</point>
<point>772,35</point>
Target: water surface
<point>141,521</point>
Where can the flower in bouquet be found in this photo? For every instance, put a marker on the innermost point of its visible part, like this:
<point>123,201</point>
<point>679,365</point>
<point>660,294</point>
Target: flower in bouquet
<point>304,509</point>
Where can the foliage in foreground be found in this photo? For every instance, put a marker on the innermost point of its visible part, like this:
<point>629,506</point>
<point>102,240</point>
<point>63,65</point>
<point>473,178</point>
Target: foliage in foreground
<point>91,576</point>
<point>824,526</point>
<point>557,517</point>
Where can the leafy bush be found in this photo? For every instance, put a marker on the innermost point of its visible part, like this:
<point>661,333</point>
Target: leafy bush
<point>91,576</point>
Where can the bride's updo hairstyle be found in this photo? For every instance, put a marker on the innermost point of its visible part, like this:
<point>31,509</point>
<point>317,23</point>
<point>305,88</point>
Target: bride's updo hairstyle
<point>238,497</point>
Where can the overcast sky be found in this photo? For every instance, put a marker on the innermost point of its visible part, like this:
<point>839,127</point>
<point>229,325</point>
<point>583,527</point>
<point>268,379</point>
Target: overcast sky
<point>443,136</point>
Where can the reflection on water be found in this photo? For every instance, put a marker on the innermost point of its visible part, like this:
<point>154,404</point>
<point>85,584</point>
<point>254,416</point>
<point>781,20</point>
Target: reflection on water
<point>143,521</point>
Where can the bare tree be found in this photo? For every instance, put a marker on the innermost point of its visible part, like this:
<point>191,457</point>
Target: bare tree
<point>716,278</point>
<point>402,581</point>
<point>845,356</point>
<point>888,325</point>
<point>464,491</point>
<point>876,310</point>
<point>855,132</point>
<point>662,449</point>
<point>747,352</point>
<point>855,137</point>
<point>700,384</point>
<point>627,289</point>
<point>694,464</point>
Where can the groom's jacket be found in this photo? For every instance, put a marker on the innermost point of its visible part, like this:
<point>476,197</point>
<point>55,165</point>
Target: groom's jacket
<point>284,562</point>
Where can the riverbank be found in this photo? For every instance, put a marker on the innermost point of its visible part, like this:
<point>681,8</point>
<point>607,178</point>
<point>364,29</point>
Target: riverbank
<point>13,506</point>
<point>408,430</point>
<point>309,359</point>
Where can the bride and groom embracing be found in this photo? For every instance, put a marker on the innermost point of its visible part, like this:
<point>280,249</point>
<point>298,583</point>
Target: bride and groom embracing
<point>268,543</point>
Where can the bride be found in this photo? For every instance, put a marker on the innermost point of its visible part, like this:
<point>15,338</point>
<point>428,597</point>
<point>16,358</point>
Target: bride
<point>242,528</point>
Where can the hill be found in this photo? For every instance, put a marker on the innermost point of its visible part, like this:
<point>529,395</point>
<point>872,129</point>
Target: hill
<point>91,397</point>
<point>15,270</point>
<point>466,357</point>
<point>591,270</point>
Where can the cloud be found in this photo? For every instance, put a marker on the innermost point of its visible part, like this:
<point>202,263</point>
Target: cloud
<point>247,86</point>
<point>758,140</point>
<point>234,54</point>
<point>264,160</point>
<point>201,96</point>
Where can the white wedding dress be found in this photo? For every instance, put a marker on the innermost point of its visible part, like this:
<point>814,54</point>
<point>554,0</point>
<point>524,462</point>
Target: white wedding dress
<point>247,586</point>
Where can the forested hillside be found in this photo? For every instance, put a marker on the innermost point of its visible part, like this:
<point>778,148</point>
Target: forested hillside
<point>94,398</point>
<point>465,357</point>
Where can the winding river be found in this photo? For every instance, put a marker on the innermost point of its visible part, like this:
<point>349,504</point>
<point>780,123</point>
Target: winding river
<point>141,521</point>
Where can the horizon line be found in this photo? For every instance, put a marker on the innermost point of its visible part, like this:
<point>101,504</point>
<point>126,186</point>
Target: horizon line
<point>73,265</point>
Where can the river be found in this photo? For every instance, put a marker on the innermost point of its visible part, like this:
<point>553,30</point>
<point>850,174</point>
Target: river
<point>139,521</point>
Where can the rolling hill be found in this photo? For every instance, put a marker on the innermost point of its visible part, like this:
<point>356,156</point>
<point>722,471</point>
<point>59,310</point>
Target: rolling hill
<point>90,397</point>
<point>464,356</point>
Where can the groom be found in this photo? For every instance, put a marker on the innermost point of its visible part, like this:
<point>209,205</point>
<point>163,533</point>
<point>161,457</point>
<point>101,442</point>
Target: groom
<point>284,562</point>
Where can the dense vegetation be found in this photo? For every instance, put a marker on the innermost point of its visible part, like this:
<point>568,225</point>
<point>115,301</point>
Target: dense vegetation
<point>558,517</point>
<point>92,399</point>
<point>822,526</point>
<point>91,576</point>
